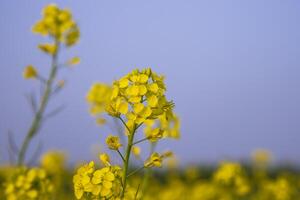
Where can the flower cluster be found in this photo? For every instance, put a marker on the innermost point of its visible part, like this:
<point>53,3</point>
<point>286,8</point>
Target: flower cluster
<point>136,99</point>
<point>113,142</point>
<point>53,162</point>
<point>57,23</point>
<point>29,184</point>
<point>232,174</point>
<point>168,127</point>
<point>139,96</point>
<point>155,159</point>
<point>98,97</point>
<point>102,183</point>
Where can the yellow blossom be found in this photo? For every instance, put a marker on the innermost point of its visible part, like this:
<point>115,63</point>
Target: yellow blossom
<point>136,151</point>
<point>74,61</point>
<point>155,160</point>
<point>113,142</point>
<point>30,72</point>
<point>59,24</point>
<point>48,48</point>
<point>105,159</point>
<point>155,134</point>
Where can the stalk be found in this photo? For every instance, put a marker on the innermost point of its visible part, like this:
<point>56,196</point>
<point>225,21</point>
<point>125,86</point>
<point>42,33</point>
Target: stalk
<point>37,120</point>
<point>148,172</point>
<point>126,162</point>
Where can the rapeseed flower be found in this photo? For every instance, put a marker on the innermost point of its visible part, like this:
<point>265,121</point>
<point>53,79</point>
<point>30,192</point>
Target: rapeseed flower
<point>59,24</point>
<point>30,72</point>
<point>105,159</point>
<point>136,151</point>
<point>113,142</point>
<point>48,48</point>
<point>74,61</point>
<point>28,183</point>
<point>97,183</point>
<point>155,160</point>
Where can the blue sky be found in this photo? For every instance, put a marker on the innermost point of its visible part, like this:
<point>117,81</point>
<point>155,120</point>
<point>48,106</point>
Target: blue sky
<point>232,68</point>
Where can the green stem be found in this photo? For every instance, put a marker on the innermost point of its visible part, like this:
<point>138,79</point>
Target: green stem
<point>135,171</point>
<point>36,123</point>
<point>148,173</point>
<point>126,163</point>
<point>139,141</point>
<point>124,123</point>
<point>123,159</point>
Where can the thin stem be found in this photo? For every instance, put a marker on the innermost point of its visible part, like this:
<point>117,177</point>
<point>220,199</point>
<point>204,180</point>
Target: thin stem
<point>123,122</point>
<point>119,130</point>
<point>139,141</point>
<point>127,157</point>
<point>148,172</point>
<point>137,191</point>
<point>135,171</point>
<point>36,123</point>
<point>121,155</point>
<point>138,126</point>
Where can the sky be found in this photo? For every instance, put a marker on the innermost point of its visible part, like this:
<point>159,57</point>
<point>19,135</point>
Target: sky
<point>232,69</point>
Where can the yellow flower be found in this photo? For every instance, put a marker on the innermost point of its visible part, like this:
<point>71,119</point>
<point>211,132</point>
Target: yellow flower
<point>72,36</point>
<point>59,24</point>
<point>261,157</point>
<point>53,162</point>
<point>152,101</point>
<point>155,134</point>
<point>115,108</point>
<point>105,159</point>
<point>155,160</point>
<point>82,179</point>
<point>104,182</point>
<point>28,183</point>
<point>29,72</point>
<point>48,48</point>
<point>113,142</point>
<point>74,61</point>
<point>227,172</point>
<point>99,97</point>
<point>32,194</point>
<point>136,151</point>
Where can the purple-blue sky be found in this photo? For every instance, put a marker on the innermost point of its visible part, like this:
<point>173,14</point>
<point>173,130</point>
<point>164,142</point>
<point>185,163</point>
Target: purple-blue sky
<point>232,68</point>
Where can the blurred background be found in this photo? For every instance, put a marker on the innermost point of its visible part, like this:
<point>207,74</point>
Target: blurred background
<point>232,68</point>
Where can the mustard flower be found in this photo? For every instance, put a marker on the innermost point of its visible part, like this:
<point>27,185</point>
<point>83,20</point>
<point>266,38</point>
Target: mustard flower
<point>155,160</point>
<point>74,61</point>
<point>113,142</point>
<point>136,151</point>
<point>30,72</point>
<point>59,24</point>
<point>105,159</point>
<point>261,158</point>
<point>82,179</point>
<point>139,95</point>
<point>28,183</point>
<point>98,183</point>
<point>155,134</point>
<point>98,97</point>
<point>48,48</point>
<point>53,162</point>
